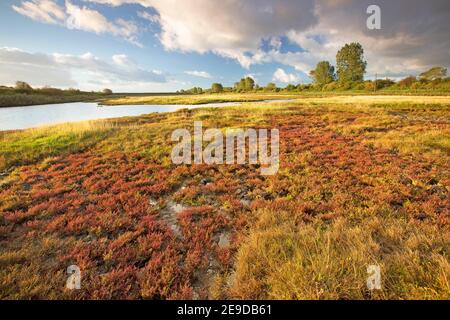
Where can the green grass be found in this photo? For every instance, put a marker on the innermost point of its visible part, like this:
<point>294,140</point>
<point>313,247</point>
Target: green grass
<point>29,146</point>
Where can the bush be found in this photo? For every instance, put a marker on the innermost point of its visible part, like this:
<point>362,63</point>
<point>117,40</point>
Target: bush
<point>407,82</point>
<point>23,86</point>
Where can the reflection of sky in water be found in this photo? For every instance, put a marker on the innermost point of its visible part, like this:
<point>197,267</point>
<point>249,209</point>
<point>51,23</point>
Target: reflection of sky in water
<point>34,116</point>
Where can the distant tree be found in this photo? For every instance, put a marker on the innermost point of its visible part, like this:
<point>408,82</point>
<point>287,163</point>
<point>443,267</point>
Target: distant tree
<point>323,73</point>
<point>271,86</point>
<point>51,91</point>
<point>245,84</point>
<point>23,86</point>
<point>249,84</point>
<point>107,91</point>
<point>350,63</point>
<point>290,87</point>
<point>216,88</point>
<point>384,83</point>
<point>195,90</point>
<point>434,73</point>
<point>73,90</point>
<point>407,82</point>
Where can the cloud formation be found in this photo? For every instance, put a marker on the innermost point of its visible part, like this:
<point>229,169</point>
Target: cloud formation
<point>79,18</point>
<point>282,76</point>
<point>46,11</point>
<point>414,33</point>
<point>63,70</point>
<point>201,74</point>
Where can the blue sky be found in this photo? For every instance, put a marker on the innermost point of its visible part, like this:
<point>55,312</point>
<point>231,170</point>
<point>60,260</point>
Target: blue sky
<point>150,45</point>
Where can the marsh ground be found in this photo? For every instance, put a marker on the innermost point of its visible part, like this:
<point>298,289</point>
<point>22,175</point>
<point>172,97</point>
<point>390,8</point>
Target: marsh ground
<point>359,184</point>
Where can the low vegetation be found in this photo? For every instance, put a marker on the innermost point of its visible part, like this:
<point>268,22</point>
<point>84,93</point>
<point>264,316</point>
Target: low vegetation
<point>359,184</point>
<point>194,99</point>
<point>24,95</point>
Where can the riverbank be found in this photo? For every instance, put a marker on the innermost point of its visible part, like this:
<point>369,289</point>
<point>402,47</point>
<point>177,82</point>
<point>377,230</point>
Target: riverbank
<point>254,97</point>
<point>11,99</point>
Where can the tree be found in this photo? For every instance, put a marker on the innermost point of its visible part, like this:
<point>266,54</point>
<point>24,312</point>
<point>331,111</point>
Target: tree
<point>290,87</point>
<point>21,85</point>
<point>407,82</point>
<point>434,73</point>
<point>216,88</point>
<point>271,86</point>
<point>107,91</point>
<point>350,63</point>
<point>249,84</point>
<point>245,84</point>
<point>323,73</point>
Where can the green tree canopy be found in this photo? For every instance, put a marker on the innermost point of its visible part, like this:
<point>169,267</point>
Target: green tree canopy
<point>350,63</point>
<point>249,84</point>
<point>323,73</point>
<point>216,88</point>
<point>271,86</point>
<point>434,73</point>
<point>245,84</point>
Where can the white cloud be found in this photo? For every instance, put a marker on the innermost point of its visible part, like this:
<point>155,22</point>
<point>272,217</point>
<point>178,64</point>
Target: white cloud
<point>64,70</point>
<point>79,18</point>
<point>153,18</point>
<point>281,76</point>
<point>234,29</point>
<point>201,74</point>
<point>42,10</point>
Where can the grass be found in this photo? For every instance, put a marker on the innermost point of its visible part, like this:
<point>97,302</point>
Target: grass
<point>280,259</point>
<point>359,184</point>
<point>194,99</point>
<point>23,147</point>
<point>380,99</point>
<point>13,99</point>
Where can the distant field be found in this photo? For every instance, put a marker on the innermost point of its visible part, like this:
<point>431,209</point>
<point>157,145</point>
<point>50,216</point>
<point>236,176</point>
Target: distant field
<point>251,97</point>
<point>9,98</point>
<point>358,185</point>
<point>196,99</point>
<point>380,99</point>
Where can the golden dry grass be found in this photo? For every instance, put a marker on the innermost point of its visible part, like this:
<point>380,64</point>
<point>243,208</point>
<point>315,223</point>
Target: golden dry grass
<point>282,260</point>
<point>194,99</point>
<point>379,99</point>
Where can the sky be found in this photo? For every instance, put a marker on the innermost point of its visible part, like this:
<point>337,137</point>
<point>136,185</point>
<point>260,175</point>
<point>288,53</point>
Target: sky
<point>167,45</point>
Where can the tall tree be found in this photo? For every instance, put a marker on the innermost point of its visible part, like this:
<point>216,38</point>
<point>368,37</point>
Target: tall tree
<point>434,73</point>
<point>216,88</point>
<point>245,84</point>
<point>350,63</point>
<point>323,73</point>
<point>271,86</point>
<point>249,83</point>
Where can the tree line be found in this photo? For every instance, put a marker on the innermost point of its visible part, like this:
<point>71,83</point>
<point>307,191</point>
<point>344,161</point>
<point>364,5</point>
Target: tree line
<point>348,74</point>
<point>23,87</point>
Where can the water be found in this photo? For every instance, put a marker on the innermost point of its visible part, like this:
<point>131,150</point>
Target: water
<point>34,116</point>
<point>15,118</point>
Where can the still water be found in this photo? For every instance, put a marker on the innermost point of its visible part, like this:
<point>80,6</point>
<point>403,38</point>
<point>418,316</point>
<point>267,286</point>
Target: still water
<point>34,116</point>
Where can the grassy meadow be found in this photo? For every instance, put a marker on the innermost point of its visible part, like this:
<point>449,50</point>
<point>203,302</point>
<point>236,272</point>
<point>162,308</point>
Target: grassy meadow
<point>362,181</point>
